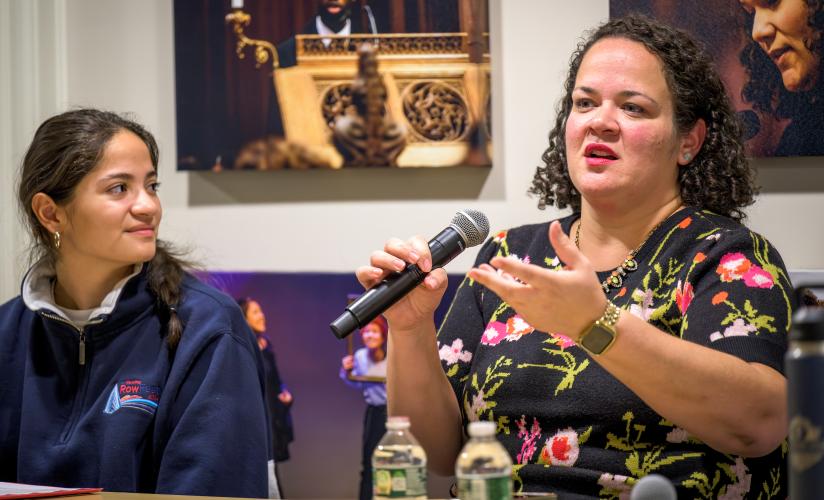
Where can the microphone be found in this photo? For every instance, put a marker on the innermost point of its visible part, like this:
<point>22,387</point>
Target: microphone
<point>467,229</point>
<point>372,24</point>
<point>653,487</point>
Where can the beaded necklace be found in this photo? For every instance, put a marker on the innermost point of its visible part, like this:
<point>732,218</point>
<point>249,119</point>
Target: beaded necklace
<point>616,277</point>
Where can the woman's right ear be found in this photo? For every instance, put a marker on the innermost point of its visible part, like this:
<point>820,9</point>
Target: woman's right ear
<point>50,215</point>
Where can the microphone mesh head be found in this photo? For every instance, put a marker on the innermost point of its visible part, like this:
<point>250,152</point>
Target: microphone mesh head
<point>473,225</point>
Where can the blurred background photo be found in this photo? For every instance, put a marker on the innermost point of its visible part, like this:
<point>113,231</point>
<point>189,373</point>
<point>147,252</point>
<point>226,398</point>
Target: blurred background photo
<point>769,56</point>
<point>332,83</point>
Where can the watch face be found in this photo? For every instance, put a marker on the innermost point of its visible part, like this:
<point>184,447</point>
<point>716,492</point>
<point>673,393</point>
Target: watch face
<point>597,339</point>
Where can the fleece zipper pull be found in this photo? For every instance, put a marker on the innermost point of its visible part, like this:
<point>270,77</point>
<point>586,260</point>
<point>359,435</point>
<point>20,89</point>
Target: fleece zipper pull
<point>82,349</point>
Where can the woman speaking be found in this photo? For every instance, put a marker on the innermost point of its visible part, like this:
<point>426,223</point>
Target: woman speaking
<point>641,334</point>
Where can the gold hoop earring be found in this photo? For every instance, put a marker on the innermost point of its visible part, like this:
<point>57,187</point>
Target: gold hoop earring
<point>56,236</point>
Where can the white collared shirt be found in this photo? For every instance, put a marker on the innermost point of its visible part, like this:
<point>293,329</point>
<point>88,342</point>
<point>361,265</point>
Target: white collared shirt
<point>38,293</point>
<point>326,30</point>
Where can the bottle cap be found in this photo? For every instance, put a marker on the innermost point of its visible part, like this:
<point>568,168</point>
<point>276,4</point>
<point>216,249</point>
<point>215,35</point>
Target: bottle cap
<point>481,429</point>
<point>397,422</point>
<point>808,324</point>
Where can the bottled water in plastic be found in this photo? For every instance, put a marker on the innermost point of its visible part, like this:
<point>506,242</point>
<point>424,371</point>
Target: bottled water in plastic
<point>398,463</point>
<point>484,468</point>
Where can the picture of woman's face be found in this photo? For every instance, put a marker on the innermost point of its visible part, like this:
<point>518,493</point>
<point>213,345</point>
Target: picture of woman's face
<point>782,30</point>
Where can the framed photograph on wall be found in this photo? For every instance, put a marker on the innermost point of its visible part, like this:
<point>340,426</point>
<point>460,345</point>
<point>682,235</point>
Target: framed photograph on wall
<point>769,56</point>
<point>332,84</point>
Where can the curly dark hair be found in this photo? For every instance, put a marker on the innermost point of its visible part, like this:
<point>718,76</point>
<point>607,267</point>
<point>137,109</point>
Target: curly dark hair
<point>719,178</point>
<point>764,88</point>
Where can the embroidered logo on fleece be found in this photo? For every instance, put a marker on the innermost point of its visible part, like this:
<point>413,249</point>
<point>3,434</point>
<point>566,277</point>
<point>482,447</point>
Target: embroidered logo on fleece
<point>133,394</point>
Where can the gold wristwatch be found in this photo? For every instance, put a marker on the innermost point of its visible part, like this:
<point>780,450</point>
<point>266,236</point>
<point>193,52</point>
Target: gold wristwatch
<point>601,335</point>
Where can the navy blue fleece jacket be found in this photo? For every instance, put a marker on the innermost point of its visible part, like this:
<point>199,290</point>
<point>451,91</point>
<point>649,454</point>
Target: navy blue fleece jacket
<point>131,417</point>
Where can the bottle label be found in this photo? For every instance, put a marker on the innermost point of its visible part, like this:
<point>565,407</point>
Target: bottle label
<point>399,482</point>
<point>806,445</point>
<point>485,488</point>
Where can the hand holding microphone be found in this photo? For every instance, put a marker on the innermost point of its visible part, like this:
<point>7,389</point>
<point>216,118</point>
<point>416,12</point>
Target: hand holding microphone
<point>396,272</point>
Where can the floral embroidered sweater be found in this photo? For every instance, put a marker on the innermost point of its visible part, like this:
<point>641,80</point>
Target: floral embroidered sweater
<point>571,427</point>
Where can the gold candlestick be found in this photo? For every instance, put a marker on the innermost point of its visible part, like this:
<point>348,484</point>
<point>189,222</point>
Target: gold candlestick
<point>239,20</point>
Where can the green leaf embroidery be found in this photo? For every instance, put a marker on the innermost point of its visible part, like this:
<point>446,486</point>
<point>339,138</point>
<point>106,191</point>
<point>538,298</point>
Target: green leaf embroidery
<point>779,276</point>
<point>493,380</point>
<point>517,482</point>
<point>584,436</point>
<point>570,367</point>
<point>700,482</point>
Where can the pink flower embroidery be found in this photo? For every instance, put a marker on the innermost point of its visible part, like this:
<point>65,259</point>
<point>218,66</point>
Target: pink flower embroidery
<point>454,353</point>
<point>530,438</point>
<point>733,266</point>
<point>525,260</point>
<point>643,310</point>
<point>683,296</point>
<point>561,449</point>
<point>477,407</point>
<point>677,435</point>
<point>494,333</point>
<point>516,328</point>
<point>562,340</point>
<point>513,256</point>
<point>738,328</point>
<point>617,483</point>
<point>741,487</point>
<point>756,277</point>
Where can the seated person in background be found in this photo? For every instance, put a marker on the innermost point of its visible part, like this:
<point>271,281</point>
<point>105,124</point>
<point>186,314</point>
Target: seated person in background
<point>642,334</point>
<point>118,369</point>
<point>369,361</point>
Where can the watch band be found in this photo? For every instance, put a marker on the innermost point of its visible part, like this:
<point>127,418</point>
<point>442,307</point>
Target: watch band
<point>611,315</point>
<point>601,335</point>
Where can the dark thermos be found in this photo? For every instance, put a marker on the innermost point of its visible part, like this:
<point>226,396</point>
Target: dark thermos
<point>804,364</point>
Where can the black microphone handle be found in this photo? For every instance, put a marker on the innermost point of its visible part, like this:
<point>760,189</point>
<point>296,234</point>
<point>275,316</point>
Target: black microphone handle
<point>444,247</point>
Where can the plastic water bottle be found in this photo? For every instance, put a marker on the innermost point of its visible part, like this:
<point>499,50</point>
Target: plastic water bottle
<point>398,463</point>
<point>484,468</point>
<point>804,364</point>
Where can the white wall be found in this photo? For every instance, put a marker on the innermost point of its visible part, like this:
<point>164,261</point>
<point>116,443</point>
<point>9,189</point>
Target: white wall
<point>32,67</point>
<point>118,54</point>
